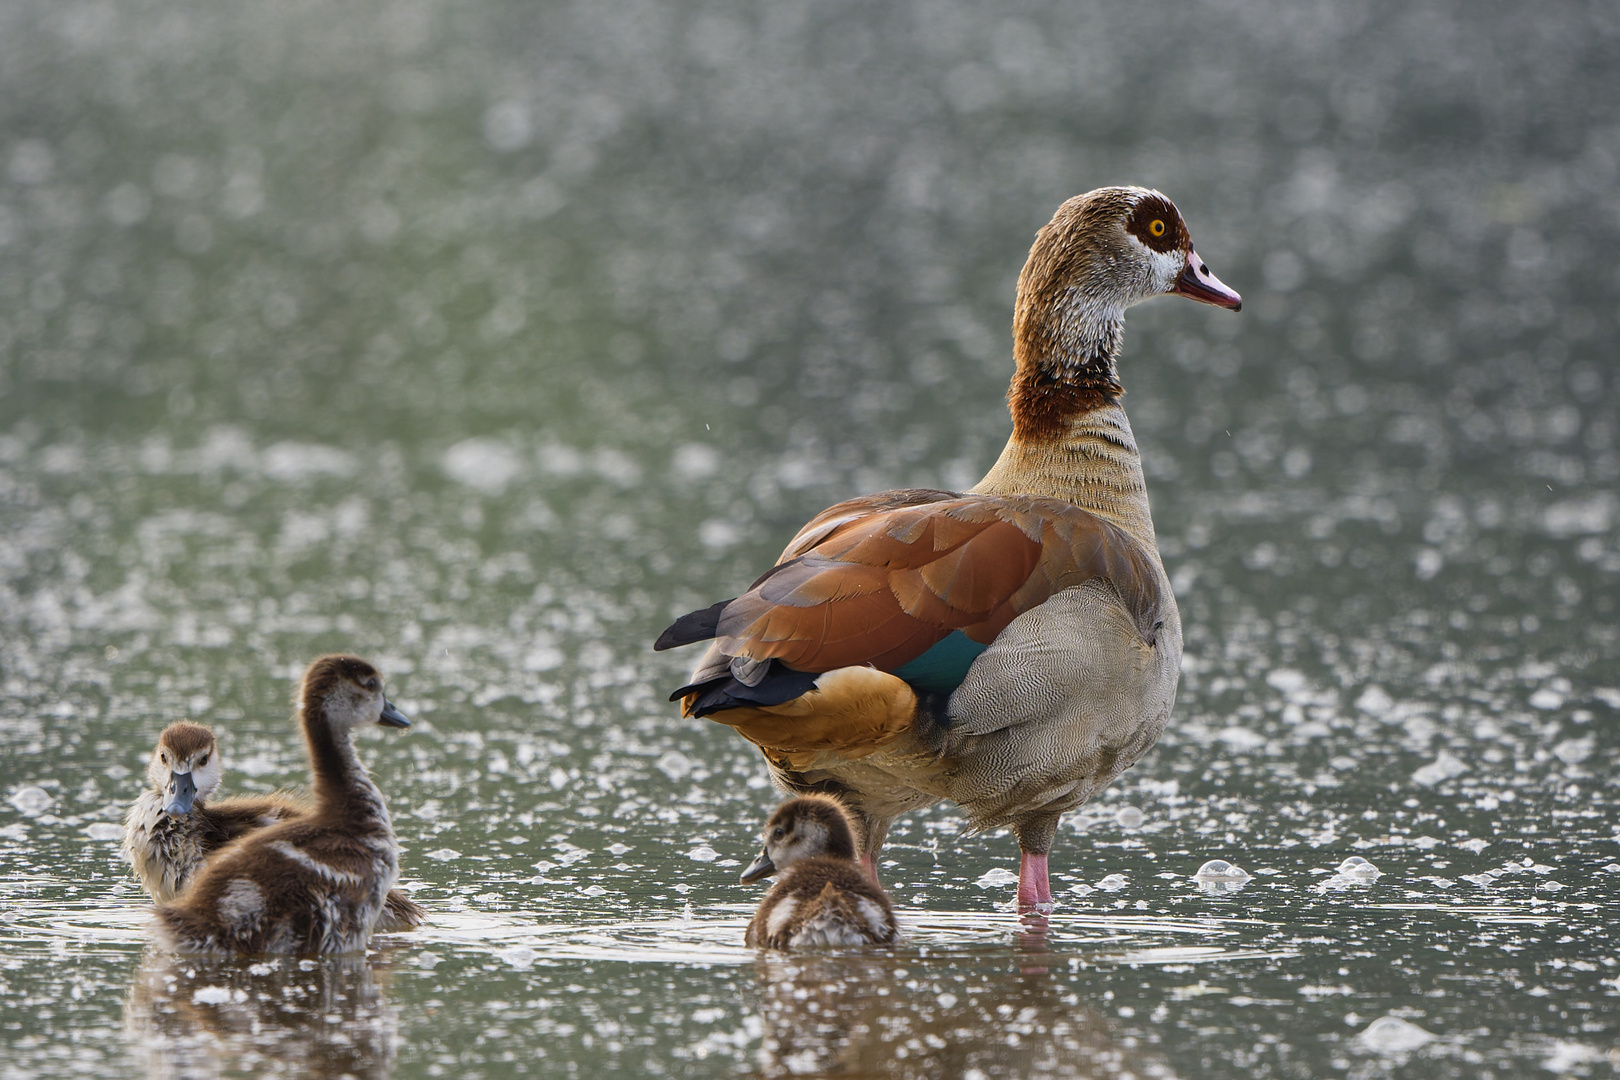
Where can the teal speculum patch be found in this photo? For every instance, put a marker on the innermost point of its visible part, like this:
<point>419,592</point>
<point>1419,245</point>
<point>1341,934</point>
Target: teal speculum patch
<point>943,667</point>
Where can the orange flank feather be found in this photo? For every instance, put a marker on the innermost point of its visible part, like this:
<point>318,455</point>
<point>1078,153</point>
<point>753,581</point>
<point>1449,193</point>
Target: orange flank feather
<point>852,712</point>
<point>880,580</point>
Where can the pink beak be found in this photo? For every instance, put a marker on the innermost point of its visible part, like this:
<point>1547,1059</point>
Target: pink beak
<point>1197,283</point>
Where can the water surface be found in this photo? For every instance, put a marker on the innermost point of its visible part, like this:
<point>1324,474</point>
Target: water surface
<point>481,339</point>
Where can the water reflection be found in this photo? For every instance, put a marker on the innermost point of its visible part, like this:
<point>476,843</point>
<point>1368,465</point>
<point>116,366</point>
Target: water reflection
<point>193,1017</point>
<point>860,1015</point>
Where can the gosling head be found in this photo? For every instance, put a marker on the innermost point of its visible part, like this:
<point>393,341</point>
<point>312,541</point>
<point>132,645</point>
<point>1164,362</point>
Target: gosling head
<point>803,828</point>
<point>185,766</point>
<point>348,693</point>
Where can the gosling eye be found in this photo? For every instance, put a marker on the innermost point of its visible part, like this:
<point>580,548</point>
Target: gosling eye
<point>163,757</point>
<point>203,762</point>
<point>778,832</point>
<point>372,684</point>
<point>1156,227</point>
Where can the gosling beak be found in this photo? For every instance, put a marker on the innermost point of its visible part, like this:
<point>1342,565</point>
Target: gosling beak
<point>1197,283</point>
<point>392,717</point>
<point>761,867</point>
<point>182,793</point>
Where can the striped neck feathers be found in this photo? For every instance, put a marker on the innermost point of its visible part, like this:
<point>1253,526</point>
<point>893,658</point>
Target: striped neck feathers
<point>1067,347</point>
<point>1090,459</point>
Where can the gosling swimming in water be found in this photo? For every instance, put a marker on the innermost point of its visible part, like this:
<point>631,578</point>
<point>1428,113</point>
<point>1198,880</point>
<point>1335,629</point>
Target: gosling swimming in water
<point>823,896</point>
<point>174,825</point>
<point>317,883</point>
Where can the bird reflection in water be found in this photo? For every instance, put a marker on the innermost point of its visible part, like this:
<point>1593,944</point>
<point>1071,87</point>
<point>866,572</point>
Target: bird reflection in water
<point>190,1017</point>
<point>843,1014</point>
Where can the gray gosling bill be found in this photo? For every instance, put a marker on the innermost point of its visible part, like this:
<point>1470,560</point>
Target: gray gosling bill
<point>174,825</point>
<point>823,896</point>
<point>315,884</point>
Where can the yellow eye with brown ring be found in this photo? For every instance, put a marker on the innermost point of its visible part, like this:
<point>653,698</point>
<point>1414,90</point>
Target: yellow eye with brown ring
<point>1156,228</point>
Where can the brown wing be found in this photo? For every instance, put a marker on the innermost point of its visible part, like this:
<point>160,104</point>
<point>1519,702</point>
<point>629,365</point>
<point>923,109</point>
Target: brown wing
<point>880,580</point>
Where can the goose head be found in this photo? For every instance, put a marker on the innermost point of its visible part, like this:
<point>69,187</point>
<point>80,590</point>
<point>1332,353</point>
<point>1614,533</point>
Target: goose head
<point>1114,247</point>
<point>1101,253</point>
<point>347,693</point>
<point>185,766</point>
<point>803,828</point>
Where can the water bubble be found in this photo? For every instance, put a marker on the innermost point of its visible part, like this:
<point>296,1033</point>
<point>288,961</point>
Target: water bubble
<point>1112,883</point>
<point>997,877</point>
<point>694,461</point>
<point>103,830</point>
<point>1392,1035</point>
<point>519,956</point>
<point>483,464</point>
<point>1443,767</point>
<point>507,127</point>
<point>703,853</point>
<point>1129,817</point>
<point>1575,751</point>
<point>1375,701</point>
<point>1353,871</point>
<point>443,854</point>
<point>31,801</point>
<point>1218,876</point>
<point>1546,698</point>
<point>675,765</point>
<point>1357,867</point>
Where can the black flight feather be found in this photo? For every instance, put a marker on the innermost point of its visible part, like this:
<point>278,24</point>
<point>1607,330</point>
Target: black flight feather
<point>696,626</point>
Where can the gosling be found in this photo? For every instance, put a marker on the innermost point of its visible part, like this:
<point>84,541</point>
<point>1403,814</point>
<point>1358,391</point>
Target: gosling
<point>315,884</point>
<point>823,897</point>
<point>173,826</point>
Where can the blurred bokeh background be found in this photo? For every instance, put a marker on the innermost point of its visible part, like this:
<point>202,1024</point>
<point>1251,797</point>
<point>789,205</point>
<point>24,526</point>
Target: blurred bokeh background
<point>483,337</point>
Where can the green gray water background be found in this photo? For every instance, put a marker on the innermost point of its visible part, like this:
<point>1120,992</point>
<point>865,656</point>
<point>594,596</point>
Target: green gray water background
<point>482,338</point>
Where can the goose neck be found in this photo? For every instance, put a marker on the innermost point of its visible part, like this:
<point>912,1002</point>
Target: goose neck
<point>1088,458</point>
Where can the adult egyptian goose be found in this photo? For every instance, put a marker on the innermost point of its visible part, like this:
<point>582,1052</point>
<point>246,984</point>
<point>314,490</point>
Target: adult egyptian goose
<point>317,883</point>
<point>174,825</point>
<point>1012,648</point>
<point>823,897</point>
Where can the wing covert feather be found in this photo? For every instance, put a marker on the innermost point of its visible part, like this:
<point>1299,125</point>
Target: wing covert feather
<point>881,579</point>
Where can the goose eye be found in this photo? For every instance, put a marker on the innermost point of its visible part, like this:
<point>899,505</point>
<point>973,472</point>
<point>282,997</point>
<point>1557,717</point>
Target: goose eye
<point>778,832</point>
<point>371,684</point>
<point>1156,227</point>
<point>163,757</point>
<point>203,762</point>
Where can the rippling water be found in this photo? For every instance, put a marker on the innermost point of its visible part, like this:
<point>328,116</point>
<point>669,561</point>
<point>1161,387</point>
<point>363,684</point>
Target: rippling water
<point>482,338</point>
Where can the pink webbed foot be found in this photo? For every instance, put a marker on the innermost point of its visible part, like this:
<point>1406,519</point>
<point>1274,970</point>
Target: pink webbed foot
<point>1034,890</point>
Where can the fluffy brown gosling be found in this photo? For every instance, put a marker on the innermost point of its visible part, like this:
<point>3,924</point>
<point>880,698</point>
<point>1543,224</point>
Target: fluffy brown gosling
<point>174,825</point>
<point>823,896</point>
<point>315,884</point>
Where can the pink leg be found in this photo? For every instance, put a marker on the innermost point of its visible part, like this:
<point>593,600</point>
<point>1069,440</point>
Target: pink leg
<point>1034,890</point>
<point>869,864</point>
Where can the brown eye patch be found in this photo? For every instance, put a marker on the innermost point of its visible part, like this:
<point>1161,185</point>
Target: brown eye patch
<point>1158,225</point>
